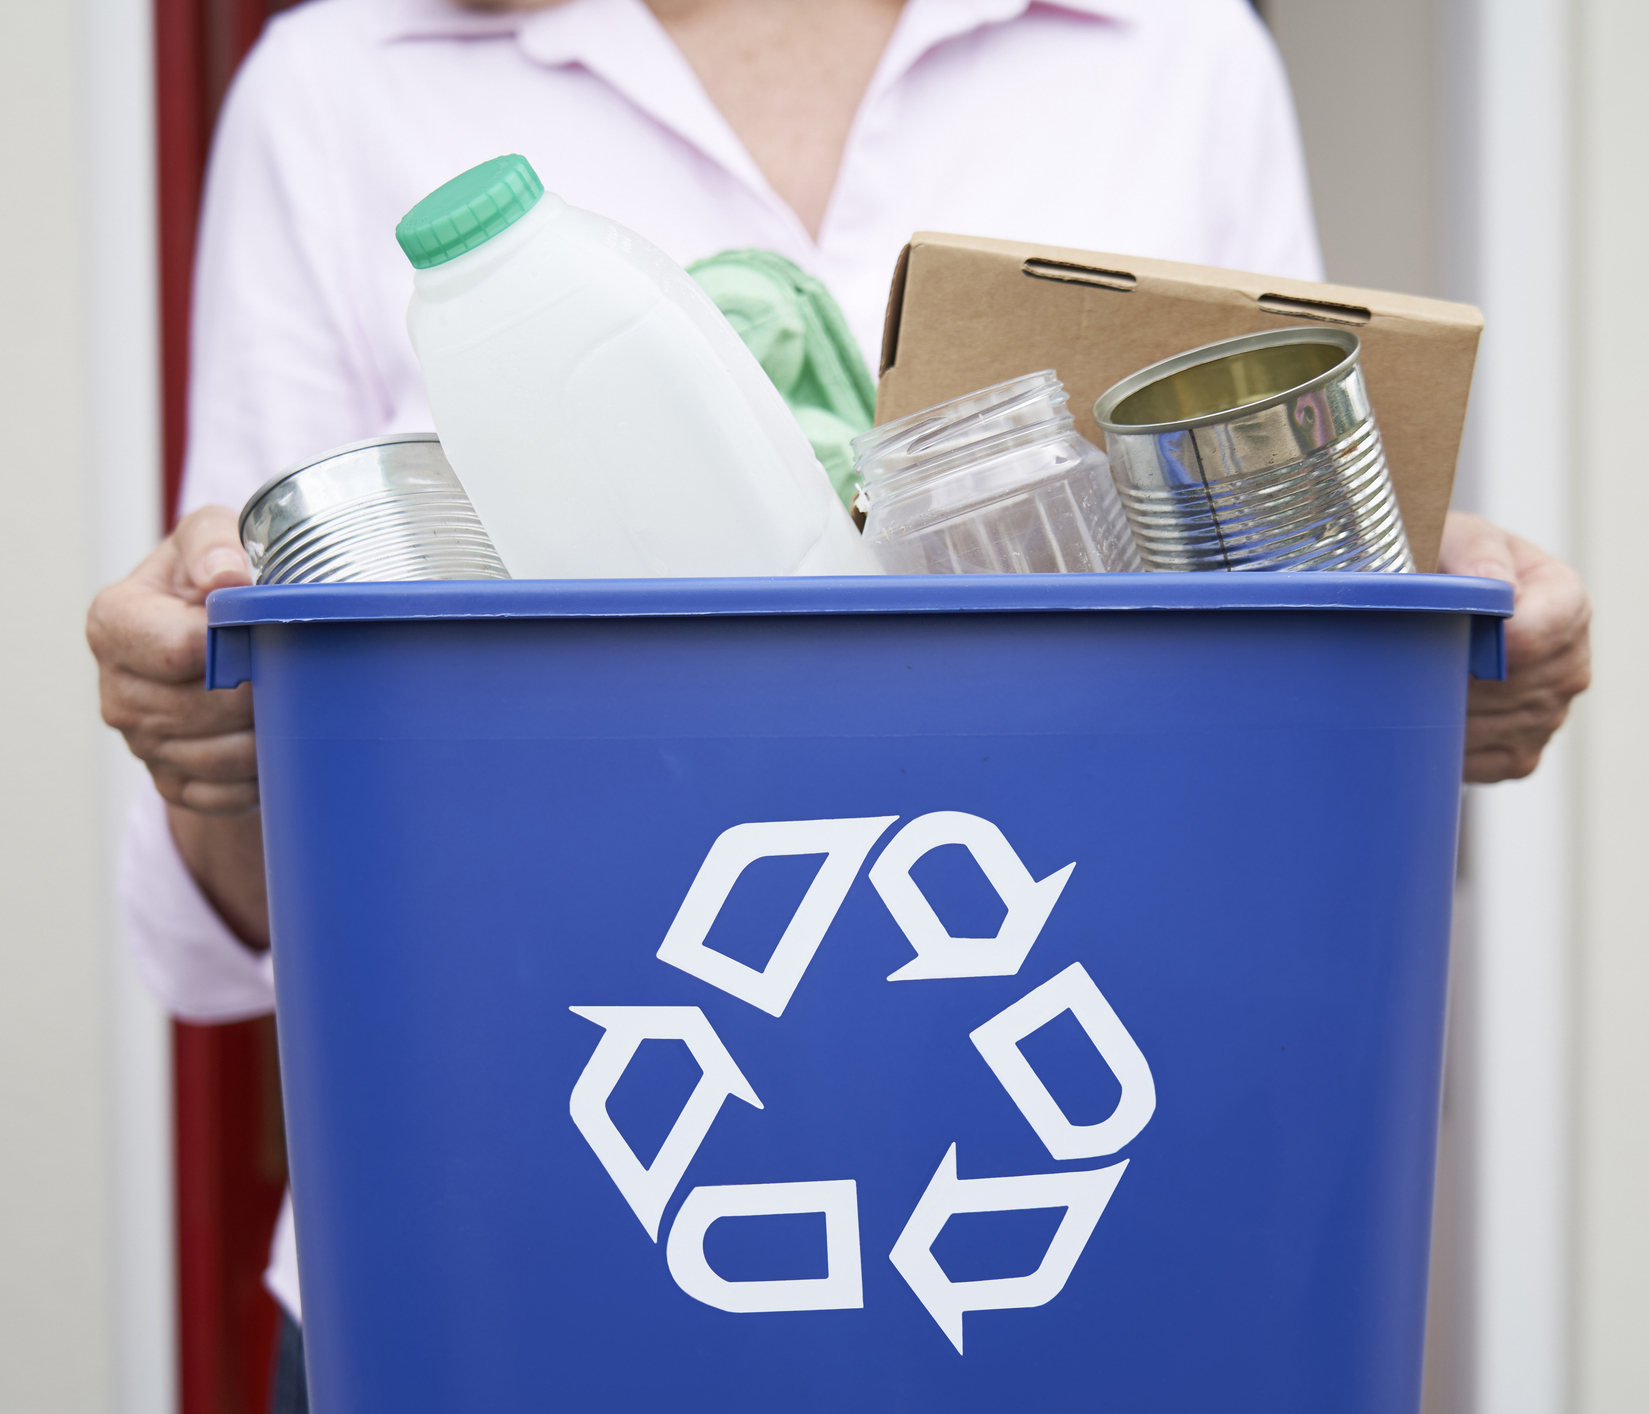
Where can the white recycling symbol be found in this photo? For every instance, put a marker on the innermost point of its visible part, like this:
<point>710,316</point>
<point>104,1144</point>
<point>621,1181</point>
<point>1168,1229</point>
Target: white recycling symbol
<point>846,843</point>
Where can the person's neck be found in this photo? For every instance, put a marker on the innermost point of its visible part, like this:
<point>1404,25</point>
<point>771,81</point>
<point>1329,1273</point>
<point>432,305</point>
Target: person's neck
<point>788,75</point>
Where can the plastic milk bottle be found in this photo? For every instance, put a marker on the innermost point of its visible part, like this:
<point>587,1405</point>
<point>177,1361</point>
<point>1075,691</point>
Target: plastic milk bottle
<point>604,418</point>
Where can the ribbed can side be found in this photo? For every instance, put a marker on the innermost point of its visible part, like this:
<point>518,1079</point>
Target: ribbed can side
<point>388,536</point>
<point>384,510</point>
<point>1332,510</point>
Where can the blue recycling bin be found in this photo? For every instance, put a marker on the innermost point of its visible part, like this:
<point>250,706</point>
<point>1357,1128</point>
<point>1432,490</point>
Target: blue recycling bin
<point>938,994</point>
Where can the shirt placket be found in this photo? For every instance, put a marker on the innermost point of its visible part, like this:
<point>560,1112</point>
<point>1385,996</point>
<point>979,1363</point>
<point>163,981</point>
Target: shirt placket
<point>870,159</point>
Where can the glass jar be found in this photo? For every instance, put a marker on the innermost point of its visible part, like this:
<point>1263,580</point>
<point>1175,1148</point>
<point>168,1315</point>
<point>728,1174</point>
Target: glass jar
<point>997,482</point>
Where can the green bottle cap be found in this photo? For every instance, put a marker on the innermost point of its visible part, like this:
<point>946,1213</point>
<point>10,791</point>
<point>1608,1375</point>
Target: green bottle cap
<point>470,209</point>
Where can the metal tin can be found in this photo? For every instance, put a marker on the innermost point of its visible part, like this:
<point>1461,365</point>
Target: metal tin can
<point>389,508</point>
<point>1254,453</point>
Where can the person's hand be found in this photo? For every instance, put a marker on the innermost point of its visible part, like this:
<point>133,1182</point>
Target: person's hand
<point>1548,650</point>
<point>149,635</point>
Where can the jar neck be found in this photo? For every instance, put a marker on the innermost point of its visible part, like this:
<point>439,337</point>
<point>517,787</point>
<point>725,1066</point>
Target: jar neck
<point>981,427</point>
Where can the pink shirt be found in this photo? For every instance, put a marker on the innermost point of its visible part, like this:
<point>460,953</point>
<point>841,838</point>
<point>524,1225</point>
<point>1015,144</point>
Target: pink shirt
<point>1148,127</point>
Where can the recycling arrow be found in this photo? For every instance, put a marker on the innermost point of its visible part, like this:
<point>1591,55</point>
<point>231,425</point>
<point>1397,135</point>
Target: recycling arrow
<point>938,954</point>
<point>1082,1195</point>
<point>647,1189</point>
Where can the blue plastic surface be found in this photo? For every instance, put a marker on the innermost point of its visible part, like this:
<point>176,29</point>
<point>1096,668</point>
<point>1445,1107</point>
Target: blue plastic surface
<point>487,805</point>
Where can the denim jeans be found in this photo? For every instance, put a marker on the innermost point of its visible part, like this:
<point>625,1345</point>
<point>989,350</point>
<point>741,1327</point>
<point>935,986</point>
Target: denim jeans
<point>289,1389</point>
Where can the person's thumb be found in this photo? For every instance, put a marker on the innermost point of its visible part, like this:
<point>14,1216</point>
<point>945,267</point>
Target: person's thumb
<point>209,549</point>
<point>1474,546</point>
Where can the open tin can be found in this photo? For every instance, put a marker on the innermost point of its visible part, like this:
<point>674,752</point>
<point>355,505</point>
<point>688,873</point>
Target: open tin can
<point>389,508</point>
<point>1255,453</point>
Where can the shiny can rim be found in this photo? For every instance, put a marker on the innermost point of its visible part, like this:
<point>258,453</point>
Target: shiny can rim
<point>332,454</point>
<point>1114,396</point>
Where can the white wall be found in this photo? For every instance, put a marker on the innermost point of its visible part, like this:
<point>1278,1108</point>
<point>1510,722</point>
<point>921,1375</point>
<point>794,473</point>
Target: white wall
<point>1367,85</point>
<point>85,1213</point>
<point>1611,322</point>
<point>56,1279</point>
<point>123,470</point>
<point>1512,255</point>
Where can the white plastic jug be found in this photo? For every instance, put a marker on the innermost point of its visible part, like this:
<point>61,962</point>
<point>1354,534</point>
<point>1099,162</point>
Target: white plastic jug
<point>603,416</point>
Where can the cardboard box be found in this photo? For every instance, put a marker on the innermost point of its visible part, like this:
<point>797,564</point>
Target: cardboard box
<point>966,312</point>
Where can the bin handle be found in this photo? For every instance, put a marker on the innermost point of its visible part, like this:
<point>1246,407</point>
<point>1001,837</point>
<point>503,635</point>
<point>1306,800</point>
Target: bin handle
<point>229,655</point>
<point>1486,655</point>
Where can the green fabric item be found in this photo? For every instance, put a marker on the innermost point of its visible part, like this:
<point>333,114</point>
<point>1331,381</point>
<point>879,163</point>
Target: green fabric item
<point>470,209</point>
<point>800,337</point>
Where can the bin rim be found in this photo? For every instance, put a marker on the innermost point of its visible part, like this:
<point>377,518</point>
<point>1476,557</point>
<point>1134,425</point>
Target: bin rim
<point>421,601</point>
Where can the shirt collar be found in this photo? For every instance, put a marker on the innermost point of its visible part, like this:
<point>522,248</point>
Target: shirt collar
<point>1099,9</point>
<point>619,41</point>
<point>622,43</point>
<point>926,24</point>
<point>442,19</point>
<point>393,20</point>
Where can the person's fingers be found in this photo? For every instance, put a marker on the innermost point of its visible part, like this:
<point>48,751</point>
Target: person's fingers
<point>141,626</point>
<point>189,738</point>
<point>1506,743</point>
<point>1545,686</point>
<point>1552,608</point>
<point>209,551</point>
<point>1553,612</point>
<point>206,797</point>
<point>1509,748</point>
<point>1474,546</point>
<point>148,633</point>
<point>143,707</point>
<point>212,798</point>
<point>1509,723</point>
<point>1548,651</point>
<point>151,623</point>
<point>1501,761</point>
<point>1538,712</point>
<point>224,759</point>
